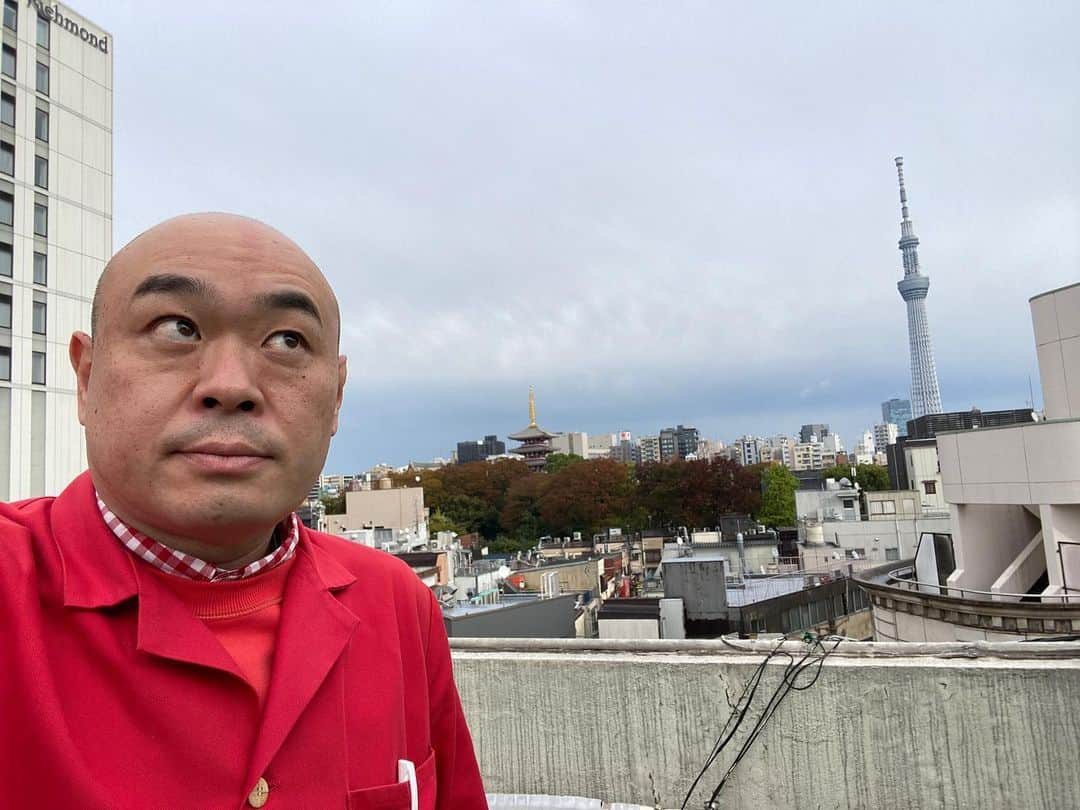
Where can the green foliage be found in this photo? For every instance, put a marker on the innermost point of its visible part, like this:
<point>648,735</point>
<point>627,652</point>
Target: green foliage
<point>557,462</point>
<point>333,504</point>
<point>870,477</point>
<point>778,496</point>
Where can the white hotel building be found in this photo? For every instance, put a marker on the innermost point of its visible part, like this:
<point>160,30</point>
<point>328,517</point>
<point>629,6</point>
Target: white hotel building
<point>55,232</point>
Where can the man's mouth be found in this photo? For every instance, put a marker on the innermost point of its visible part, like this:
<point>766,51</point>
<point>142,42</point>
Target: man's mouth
<point>224,457</point>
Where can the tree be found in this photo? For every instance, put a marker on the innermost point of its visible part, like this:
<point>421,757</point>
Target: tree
<point>334,504</point>
<point>587,497</point>
<point>870,477</point>
<point>778,497</point>
<point>557,462</point>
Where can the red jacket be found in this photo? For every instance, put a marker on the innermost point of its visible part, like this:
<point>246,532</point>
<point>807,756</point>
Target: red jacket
<point>113,695</point>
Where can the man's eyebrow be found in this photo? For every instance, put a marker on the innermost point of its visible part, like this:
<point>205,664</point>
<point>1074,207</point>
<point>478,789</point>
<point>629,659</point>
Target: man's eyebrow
<point>173,283</point>
<point>289,299</point>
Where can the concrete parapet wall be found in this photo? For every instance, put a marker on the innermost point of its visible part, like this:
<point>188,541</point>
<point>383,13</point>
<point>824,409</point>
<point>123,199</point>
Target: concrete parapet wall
<point>886,726</point>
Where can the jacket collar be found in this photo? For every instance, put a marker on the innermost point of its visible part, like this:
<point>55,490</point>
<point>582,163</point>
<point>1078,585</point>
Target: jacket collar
<point>99,572</point>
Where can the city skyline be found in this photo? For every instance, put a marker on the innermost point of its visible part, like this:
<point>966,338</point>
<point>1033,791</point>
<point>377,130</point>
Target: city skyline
<point>647,227</point>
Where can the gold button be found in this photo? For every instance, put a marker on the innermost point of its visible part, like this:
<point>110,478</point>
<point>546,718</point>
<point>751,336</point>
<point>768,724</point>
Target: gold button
<point>259,794</point>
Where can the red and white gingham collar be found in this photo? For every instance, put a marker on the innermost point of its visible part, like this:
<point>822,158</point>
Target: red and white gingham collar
<point>176,562</point>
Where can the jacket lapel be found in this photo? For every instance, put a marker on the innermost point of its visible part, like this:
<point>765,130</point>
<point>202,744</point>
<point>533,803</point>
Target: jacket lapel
<point>168,629</point>
<point>313,632</point>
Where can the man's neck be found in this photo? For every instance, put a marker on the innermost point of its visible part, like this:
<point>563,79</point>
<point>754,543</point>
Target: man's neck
<point>238,553</point>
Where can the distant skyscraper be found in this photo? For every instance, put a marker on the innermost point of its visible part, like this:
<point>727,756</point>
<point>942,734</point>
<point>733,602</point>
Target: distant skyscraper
<point>678,442</point>
<point>897,411</point>
<point>925,397</point>
<point>813,433</point>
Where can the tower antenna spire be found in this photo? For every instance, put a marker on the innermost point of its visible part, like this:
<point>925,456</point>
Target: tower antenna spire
<point>925,395</point>
<point>532,407</point>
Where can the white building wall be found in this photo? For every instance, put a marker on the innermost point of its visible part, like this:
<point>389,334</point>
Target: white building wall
<point>43,441</point>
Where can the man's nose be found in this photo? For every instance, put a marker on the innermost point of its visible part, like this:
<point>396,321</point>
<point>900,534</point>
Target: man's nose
<point>227,378</point>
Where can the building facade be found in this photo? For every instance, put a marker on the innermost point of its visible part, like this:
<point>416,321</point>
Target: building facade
<point>572,444</point>
<point>55,233</point>
<point>884,435</point>
<point>649,447</point>
<point>678,442</point>
<point>898,412</point>
<point>813,433</point>
<point>480,450</point>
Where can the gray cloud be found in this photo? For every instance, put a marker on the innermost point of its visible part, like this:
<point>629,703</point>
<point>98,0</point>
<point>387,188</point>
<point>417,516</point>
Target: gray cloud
<point>657,214</point>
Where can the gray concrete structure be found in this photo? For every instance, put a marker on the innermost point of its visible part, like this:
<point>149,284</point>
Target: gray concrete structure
<point>925,396</point>
<point>513,617</point>
<point>886,726</point>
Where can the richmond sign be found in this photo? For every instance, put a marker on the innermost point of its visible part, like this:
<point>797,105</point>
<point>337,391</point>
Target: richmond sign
<point>53,13</point>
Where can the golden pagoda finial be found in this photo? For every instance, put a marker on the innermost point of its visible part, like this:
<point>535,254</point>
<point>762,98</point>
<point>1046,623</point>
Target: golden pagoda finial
<point>532,407</point>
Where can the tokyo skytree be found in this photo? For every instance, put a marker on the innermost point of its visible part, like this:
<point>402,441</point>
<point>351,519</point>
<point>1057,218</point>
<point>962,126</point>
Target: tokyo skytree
<point>925,396</point>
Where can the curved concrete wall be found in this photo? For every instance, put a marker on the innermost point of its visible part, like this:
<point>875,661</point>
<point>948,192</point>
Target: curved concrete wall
<point>887,725</point>
<point>1056,318</point>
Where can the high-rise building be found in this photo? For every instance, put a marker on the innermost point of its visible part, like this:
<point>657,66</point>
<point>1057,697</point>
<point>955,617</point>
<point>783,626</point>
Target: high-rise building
<point>925,396</point>
<point>813,433</point>
<point>884,435</point>
<point>751,450</point>
<point>572,444</point>
<point>897,411</point>
<point>627,450</point>
<point>55,232</point>
<point>678,442</point>
<point>479,450</point>
<point>650,449</point>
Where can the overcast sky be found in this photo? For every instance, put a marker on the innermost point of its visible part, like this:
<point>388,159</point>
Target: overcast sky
<point>656,213</point>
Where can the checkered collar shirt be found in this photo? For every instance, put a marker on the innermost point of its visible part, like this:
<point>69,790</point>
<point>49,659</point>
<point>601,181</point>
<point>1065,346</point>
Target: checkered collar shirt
<point>184,565</point>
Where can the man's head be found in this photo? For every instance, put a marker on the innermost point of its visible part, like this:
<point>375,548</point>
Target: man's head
<point>212,383</point>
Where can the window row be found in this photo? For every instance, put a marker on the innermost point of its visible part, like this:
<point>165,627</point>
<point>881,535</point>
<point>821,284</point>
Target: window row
<point>37,366</point>
<point>38,320</point>
<point>41,117</point>
<point>7,165</point>
<point>7,263</point>
<point>7,67</point>
<point>7,214</point>
<point>11,20</point>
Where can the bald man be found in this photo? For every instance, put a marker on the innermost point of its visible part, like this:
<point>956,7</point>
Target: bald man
<point>172,635</point>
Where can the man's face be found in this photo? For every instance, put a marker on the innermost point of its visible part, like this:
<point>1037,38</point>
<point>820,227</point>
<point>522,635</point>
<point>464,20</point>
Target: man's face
<point>212,386</point>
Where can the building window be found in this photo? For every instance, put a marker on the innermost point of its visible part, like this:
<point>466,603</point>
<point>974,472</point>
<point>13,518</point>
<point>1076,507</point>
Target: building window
<point>43,78</point>
<point>7,209</point>
<point>5,311</point>
<point>41,220</point>
<point>7,158</point>
<point>5,363</point>
<point>7,61</point>
<point>888,507</point>
<point>37,368</point>
<point>892,554</point>
<point>6,262</point>
<point>930,487</point>
<point>41,171</point>
<point>41,125</point>
<point>41,269</point>
<point>7,109</point>
<point>11,14</point>
<point>43,32</point>
<point>38,327</point>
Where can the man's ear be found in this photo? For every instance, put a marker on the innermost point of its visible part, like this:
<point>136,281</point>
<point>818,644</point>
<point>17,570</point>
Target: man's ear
<point>343,373</point>
<point>81,353</point>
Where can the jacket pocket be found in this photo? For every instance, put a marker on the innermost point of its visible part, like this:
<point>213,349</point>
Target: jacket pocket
<point>396,796</point>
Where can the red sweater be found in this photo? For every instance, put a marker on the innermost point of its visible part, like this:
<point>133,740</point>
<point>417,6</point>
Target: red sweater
<point>242,614</point>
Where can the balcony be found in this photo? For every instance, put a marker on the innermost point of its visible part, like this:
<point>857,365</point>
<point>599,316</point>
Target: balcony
<point>886,726</point>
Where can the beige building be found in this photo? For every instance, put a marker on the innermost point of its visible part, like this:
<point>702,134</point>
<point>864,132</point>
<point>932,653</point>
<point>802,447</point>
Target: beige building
<point>56,171</point>
<point>1010,568</point>
<point>401,509</point>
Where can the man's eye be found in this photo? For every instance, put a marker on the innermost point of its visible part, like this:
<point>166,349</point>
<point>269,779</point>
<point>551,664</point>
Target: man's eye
<point>177,329</point>
<point>286,341</point>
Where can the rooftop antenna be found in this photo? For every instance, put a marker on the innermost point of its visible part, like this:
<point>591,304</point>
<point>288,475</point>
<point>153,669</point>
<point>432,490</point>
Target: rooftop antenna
<point>532,407</point>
